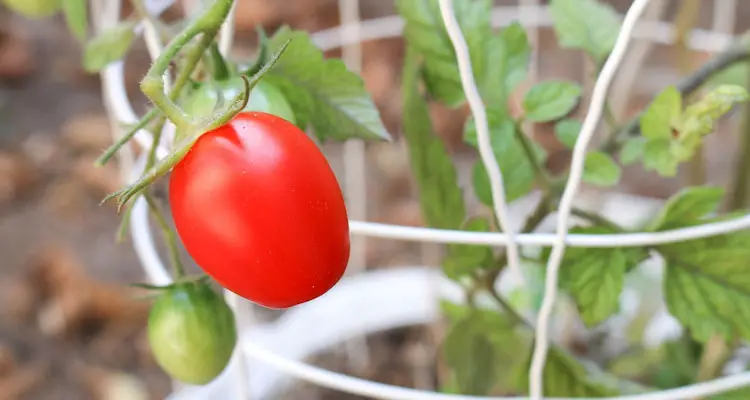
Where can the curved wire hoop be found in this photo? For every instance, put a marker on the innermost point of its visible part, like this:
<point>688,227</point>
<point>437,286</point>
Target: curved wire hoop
<point>121,113</point>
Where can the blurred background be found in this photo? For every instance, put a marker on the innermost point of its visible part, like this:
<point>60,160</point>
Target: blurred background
<point>69,325</point>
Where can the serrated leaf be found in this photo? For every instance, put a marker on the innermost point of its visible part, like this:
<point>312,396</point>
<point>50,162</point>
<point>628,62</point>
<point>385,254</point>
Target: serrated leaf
<point>632,150</point>
<point>547,101</point>
<point>600,169</point>
<point>657,157</point>
<point>564,376</point>
<point>471,356</point>
<point>108,47</point>
<point>687,206</point>
<point>594,277</point>
<point>567,132</point>
<point>425,31</point>
<point>588,25</point>
<point>323,92</point>
<point>516,168</point>
<point>662,114</point>
<point>482,349</point>
<point>707,285</point>
<point>507,56</point>
<point>76,17</point>
<point>440,196</point>
<point>462,259</point>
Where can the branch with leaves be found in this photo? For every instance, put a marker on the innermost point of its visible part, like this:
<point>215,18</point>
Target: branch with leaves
<point>478,338</point>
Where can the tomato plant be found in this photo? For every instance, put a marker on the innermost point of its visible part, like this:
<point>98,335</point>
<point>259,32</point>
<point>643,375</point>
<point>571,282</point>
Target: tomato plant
<point>265,97</point>
<point>260,210</point>
<point>192,332</point>
<point>258,207</point>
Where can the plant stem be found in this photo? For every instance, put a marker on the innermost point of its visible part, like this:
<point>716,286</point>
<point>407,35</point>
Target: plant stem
<point>609,118</point>
<point>736,52</point>
<point>541,176</point>
<point>169,236</point>
<point>157,132</point>
<point>596,219</point>
<point>508,307</point>
<point>153,86</point>
<point>742,169</point>
<point>716,352</point>
<point>112,150</point>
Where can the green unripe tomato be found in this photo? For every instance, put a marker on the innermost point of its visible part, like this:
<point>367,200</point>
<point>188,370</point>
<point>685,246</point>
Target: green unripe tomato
<point>264,97</point>
<point>34,8</point>
<point>192,332</point>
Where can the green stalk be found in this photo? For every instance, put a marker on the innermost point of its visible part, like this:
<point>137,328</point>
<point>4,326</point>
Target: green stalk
<point>169,236</point>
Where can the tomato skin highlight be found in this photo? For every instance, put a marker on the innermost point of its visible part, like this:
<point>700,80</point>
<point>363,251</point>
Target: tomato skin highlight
<point>192,332</point>
<point>260,210</point>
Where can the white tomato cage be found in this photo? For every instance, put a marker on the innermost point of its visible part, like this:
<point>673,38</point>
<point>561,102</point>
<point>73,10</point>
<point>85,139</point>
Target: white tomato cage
<point>270,354</point>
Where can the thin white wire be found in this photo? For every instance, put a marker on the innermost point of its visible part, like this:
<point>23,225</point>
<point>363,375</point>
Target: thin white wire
<point>659,32</point>
<point>355,175</point>
<point>383,391</point>
<point>483,136</point>
<point>598,98</point>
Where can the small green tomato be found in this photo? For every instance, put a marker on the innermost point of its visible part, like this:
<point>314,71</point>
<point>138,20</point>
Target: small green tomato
<point>264,97</point>
<point>192,332</point>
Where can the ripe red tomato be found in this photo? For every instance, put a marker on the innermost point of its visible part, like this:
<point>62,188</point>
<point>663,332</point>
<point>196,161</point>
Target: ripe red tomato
<point>258,207</point>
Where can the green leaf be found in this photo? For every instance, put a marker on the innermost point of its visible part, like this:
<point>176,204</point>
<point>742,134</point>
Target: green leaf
<point>567,132</point>
<point>516,168</point>
<point>595,276</point>
<point>547,101</point>
<point>657,157</point>
<point>471,356</point>
<point>588,25</point>
<point>323,92</point>
<point>440,196</point>
<point>632,150</point>
<point>482,349</point>
<point>425,31</point>
<point>564,376</point>
<point>674,135</point>
<point>76,16</point>
<point>507,55</point>
<point>707,285</point>
<point>463,259</point>
<point>687,207</point>
<point>600,169</point>
<point>110,46</point>
<point>662,115</point>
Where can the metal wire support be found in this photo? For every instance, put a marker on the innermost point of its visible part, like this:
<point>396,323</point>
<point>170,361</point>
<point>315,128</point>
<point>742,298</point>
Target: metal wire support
<point>599,97</point>
<point>483,134</point>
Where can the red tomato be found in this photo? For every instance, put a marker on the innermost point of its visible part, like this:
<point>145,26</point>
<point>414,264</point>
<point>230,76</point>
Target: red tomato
<point>258,207</point>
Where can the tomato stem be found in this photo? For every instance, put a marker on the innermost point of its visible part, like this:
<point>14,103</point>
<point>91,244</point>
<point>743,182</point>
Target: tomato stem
<point>112,150</point>
<point>169,236</point>
<point>152,85</point>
